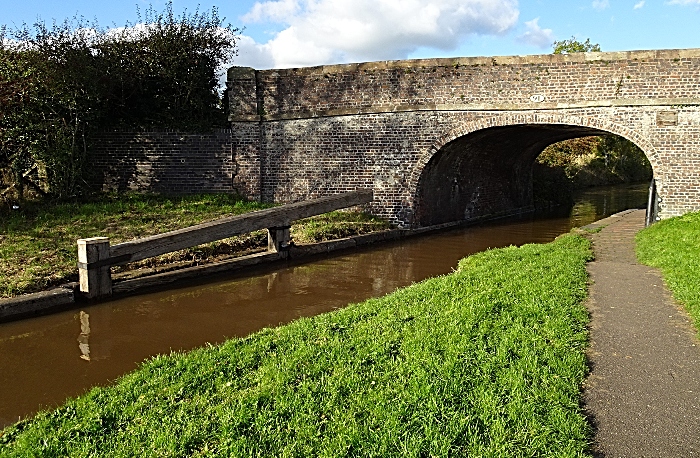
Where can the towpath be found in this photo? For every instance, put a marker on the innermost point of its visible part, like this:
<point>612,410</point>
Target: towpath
<point>643,392</point>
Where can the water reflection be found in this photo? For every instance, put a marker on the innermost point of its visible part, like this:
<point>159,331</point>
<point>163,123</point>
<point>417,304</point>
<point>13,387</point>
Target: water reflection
<point>84,337</point>
<point>38,360</point>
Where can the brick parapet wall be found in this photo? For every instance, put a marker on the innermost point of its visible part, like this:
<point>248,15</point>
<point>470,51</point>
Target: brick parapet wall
<point>507,83</point>
<point>165,162</point>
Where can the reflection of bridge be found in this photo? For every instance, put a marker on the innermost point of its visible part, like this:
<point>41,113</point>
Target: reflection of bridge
<point>447,139</point>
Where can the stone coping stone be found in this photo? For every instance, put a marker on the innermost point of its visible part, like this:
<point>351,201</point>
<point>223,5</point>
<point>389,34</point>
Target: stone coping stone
<point>691,53</point>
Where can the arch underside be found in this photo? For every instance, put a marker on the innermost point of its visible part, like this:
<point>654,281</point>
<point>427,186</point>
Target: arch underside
<point>487,172</point>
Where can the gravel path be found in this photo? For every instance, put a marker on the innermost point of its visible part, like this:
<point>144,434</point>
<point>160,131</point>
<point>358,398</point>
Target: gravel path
<point>643,392</point>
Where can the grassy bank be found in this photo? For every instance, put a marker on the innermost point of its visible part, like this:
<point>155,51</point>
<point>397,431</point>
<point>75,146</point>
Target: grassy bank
<point>487,361</point>
<point>673,245</point>
<point>38,242</point>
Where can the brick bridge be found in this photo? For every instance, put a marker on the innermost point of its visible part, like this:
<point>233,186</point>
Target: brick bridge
<point>438,140</point>
<point>449,139</point>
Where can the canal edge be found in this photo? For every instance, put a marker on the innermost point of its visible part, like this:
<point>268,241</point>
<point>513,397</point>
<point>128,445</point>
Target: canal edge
<point>67,296</point>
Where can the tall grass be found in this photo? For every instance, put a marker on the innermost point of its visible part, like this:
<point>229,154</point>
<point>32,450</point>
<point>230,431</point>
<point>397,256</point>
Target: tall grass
<point>486,361</point>
<point>673,245</point>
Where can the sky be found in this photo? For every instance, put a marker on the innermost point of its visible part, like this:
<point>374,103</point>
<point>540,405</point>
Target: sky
<point>299,33</point>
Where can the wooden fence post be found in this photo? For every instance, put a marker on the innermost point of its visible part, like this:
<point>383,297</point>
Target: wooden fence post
<point>93,267</point>
<point>278,240</point>
<point>96,256</point>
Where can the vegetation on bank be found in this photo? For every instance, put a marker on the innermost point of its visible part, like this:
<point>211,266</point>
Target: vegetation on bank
<point>486,361</point>
<point>673,246</point>
<point>579,163</point>
<point>38,241</point>
<point>60,85</point>
<point>571,45</point>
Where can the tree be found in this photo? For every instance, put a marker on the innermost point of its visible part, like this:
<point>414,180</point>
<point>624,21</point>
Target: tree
<point>572,45</point>
<point>51,106</point>
<point>623,159</point>
<point>164,73</point>
<point>60,85</point>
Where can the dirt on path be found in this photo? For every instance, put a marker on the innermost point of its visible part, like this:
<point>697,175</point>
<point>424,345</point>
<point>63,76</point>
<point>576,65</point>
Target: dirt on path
<point>643,392</point>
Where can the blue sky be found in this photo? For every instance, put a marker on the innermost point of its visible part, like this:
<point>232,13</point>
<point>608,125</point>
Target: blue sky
<point>292,33</point>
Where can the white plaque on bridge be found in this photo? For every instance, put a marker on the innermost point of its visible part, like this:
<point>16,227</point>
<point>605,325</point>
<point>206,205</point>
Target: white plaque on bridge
<point>537,98</point>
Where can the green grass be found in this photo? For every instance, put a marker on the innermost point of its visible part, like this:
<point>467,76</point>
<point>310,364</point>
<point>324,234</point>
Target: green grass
<point>593,230</point>
<point>487,361</point>
<point>38,243</point>
<point>673,246</point>
<point>335,225</point>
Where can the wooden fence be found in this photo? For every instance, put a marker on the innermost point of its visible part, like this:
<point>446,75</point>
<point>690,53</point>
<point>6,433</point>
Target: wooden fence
<point>96,256</point>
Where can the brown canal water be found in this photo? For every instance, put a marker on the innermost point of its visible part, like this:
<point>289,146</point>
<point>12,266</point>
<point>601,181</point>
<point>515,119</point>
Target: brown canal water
<point>47,359</point>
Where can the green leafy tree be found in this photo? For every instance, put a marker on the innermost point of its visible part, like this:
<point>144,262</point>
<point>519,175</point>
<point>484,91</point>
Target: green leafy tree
<point>51,108</point>
<point>573,45</point>
<point>164,73</point>
<point>62,84</point>
<point>623,159</point>
<point>569,155</point>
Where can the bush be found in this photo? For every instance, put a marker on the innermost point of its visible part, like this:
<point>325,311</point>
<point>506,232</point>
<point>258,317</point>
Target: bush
<point>594,161</point>
<point>59,85</point>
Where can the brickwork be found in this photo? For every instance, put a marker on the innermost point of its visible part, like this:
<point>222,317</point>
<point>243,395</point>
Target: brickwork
<point>467,82</point>
<point>462,133</point>
<point>437,140</point>
<point>389,153</point>
<point>165,162</point>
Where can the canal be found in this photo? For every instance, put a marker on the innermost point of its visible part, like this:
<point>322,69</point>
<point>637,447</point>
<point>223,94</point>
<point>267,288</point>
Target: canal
<point>47,359</point>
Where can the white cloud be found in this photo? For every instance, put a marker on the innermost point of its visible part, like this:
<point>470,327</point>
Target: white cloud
<point>333,31</point>
<point>684,2</point>
<point>252,54</point>
<point>537,36</point>
<point>600,5</point>
<point>9,43</point>
<point>133,32</point>
<point>276,11</point>
<point>639,5</point>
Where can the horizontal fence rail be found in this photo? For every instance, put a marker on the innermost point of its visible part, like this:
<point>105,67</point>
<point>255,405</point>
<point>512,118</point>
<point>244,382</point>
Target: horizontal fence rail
<point>96,256</point>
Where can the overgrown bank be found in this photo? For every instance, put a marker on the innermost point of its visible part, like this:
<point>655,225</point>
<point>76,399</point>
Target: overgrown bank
<point>38,242</point>
<point>673,245</point>
<point>487,361</point>
<point>570,165</point>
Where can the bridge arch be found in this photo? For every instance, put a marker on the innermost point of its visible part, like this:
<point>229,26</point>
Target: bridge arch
<point>483,167</point>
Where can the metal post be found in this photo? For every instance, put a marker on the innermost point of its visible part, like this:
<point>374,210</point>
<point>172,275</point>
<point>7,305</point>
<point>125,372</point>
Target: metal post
<point>652,205</point>
<point>93,267</point>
